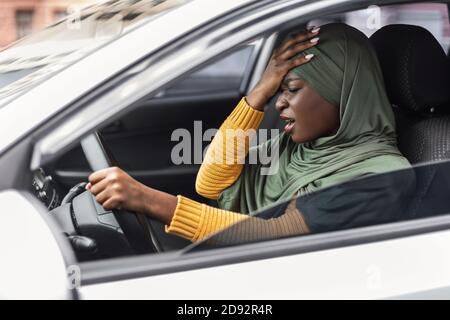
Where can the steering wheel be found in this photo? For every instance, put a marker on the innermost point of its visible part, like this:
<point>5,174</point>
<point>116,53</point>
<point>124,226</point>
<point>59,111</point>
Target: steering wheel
<point>136,228</point>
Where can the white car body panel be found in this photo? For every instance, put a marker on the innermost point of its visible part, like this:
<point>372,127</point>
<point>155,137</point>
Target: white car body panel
<point>32,266</point>
<point>378,270</point>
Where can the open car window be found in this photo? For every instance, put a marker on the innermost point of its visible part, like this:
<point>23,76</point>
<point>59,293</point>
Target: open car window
<point>415,193</point>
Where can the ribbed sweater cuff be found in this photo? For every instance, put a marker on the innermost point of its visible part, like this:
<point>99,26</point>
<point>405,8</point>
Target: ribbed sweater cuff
<point>186,219</point>
<point>244,116</point>
<point>196,221</point>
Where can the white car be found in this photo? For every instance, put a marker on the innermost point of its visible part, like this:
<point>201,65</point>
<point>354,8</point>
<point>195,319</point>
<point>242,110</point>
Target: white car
<point>101,88</point>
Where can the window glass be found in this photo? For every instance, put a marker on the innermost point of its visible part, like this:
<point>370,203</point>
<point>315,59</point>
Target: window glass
<point>419,192</point>
<point>431,16</point>
<point>224,74</point>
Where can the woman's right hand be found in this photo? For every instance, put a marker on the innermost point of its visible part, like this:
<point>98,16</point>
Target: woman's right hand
<point>279,66</point>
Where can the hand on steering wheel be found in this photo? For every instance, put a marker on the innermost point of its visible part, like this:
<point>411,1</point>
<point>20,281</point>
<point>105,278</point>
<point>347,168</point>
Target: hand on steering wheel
<point>113,188</point>
<point>119,193</point>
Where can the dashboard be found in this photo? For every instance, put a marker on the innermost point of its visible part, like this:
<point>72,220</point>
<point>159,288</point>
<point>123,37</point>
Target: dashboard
<point>93,232</point>
<point>45,189</point>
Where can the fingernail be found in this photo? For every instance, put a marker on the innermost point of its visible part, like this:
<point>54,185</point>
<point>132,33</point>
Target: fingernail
<point>309,56</point>
<point>315,30</point>
<point>314,40</point>
<point>310,28</point>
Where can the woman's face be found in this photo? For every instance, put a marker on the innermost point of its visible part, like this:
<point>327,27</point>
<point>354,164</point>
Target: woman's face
<point>308,116</point>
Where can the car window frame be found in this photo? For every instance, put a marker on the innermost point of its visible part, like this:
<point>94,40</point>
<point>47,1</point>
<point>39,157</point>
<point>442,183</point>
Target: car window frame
<point>133,267</point>
<point>240,86</point>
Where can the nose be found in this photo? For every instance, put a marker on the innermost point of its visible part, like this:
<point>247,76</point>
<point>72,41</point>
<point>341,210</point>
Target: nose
<point>281,103</point>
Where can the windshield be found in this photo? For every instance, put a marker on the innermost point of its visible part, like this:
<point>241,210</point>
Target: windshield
<point>419,192</point>
<point>43,54</point>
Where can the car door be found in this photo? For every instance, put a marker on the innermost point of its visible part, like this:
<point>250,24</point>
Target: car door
<point>398,250</point>
<point>329,264</point>
<point>407,267</point>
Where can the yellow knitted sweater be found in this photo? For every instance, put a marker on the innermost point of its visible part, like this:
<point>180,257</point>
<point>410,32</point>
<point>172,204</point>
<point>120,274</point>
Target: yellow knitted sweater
<point>196,221</point>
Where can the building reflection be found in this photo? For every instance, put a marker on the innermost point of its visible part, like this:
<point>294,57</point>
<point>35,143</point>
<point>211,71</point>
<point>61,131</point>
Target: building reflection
<point>21,17</point>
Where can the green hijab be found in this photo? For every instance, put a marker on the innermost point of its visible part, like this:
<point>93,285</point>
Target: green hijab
<point>345,71</point>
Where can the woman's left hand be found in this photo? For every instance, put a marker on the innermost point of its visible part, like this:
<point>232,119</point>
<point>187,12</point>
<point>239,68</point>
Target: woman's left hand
<point>115,189</point>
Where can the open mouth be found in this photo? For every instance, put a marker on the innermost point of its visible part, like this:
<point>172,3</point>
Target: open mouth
<point>290,123</point>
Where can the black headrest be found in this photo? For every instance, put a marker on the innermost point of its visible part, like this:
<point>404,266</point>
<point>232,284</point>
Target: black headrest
<point>415,67</point>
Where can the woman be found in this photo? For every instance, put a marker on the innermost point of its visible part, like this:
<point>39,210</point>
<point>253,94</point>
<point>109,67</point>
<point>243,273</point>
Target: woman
<point>340,127</point>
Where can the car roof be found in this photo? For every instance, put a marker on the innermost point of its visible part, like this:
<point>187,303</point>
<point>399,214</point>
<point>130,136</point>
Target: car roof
<point>51,96</point>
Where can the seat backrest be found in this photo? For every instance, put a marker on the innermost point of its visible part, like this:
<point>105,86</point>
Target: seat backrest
<point>417,77</point>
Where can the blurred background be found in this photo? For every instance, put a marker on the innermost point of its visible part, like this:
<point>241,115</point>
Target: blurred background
<point>431,16</point>
<point>19,18</point>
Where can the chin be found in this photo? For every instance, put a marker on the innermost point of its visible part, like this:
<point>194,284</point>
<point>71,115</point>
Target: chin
<point>298,139</point>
